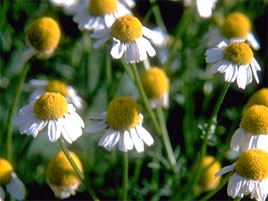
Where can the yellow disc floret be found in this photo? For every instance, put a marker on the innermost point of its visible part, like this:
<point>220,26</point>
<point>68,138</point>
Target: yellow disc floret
<point>5,171</point>
<point>50,106</point>
<point>252,164</point>
<point>258,98</point>
<point>102,7</point>
<point>155,82</point>
<point>123,113</point>
<point>255,120</point>
<point>44,34</point>
<point>236,25</point>
<point>57,86</point>
<point>127,28</point>
<point>60,172</point>
<point>239,53</point>
<point>208,180</point>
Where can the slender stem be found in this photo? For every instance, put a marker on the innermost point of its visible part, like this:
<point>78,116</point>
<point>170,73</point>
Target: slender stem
<point>237,199</point>
<point>12,111</point>
<point>128,70</point>
<point>145,99</point>
<point>125,176</point>
<point>165,139</point>
<point>108,73</point>
<point>76,169</point>
<point>137,170</point>
<point>157,15</point>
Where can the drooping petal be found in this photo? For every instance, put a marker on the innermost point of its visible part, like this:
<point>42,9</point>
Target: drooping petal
<point>96,127</point>
<point>16,188</point>
<point>138,143</point>
<point>145,135</point>
<point>118,50</point>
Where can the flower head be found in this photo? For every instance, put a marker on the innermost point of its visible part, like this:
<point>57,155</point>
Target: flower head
<point>52,110</point>
<point>124,126</point>
<point>61,176</point>
<point>258,98</point>
<point>57,86</point>
<point>127,33</point>
<point>156,86</point>
<point>8,178</point>
<point>253,131</point>
<point>250,177</point>
<point>43,35</point>
<point>236,61</point>
<point>99,14</point>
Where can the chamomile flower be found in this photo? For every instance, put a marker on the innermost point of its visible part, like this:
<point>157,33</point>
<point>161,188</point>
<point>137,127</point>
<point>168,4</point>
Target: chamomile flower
<point>236,61</point>
<point>250,176</point>
<point>51,110</point>
<point>258,98</point>
<point>70,7</point>
<point>123,124</point>
<point>236,25</point>
<point>42,86</point>
<point>61,176</point>
<point>9,178</point>
<point>127,33</point>
<point>99,14</point>
<point>207,180</point>
<point>156,86</point>
<point>253,131</point>
<point>43,36</point>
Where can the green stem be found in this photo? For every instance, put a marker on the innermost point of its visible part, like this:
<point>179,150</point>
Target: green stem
<point>137,171</point>
<point>125,176</point>
<point>165,139</point>
<point>108,73</point>
<point>237,199</point>
<point>12,111</point>
<point>76,169</point>
<point>157,15</point>
<point>145,99</point>
<point>128,70</point>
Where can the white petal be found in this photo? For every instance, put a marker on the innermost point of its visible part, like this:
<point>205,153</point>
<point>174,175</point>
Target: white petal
<point>96,127</point>
<point>222,64</point>
<point>145,135</point>
<point>213,55</point>
<point>100,42</point>
<point>142,48</point>
<point>249,75</point>
<point>16,188</point>
<point>118,50</point>
<point>53,131</point>
<point>242,77</point>
<point>132,53</point>
<point>237,138</point>
<point>230,72</point>
<point>149,48</point>
<point>38,83</point>
<point>138,143</point>
<point>205,7</point>
<point>256,64</point>
<point>253,42</point>
<point>225,170</point>
<point>109,139</point>
<point>2,194</point>
<point>254,70</point>
<point>127,140</point>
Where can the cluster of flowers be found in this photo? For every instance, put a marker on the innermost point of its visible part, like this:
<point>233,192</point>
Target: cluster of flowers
<point>53,103</point>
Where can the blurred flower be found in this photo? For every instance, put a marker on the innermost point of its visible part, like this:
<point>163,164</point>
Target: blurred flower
<point>207,180</point>
<point>236,25</point>
<point>250,175</point>
<point>43,36</point>
<point>204,7</point>
<point>61,176</point>
<point>128,3</point>
<point>123,124</point>
<point>70,7</point>
<point>236,61</point>
<point>156,86</point>
<point>42,86</point>
<point>99,14</point>
<point>258,98</point>
<point>9,178</point>
<point>127,33</point>
<point>253,131</point>
<point>52,110</point>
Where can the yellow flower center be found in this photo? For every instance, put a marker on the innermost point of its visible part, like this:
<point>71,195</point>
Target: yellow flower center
<point>207,180</point>
<point>5,171</point>
<point>258,98</point>
<point>239,53</point>
<point>44,34</point>
<point>252,164</point>
<point>155,82</point>
<point>236,25</point>
<point>123,113</point>
<point>50,106</point>
<point>57,86</point>
<point>60,172</point>
<point>102,7</point>
<point>127,28</point>
<point>255,120</point>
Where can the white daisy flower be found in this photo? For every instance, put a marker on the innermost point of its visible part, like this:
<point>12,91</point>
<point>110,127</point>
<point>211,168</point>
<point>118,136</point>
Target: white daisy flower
<point>42,86</point>
<point>236,61</point>
<point>250,177</point>
<point>253,131</point>
<point>236,25</point>
<point>127,33</point>
<point>61,177</point>
<point>70,7</point>
<point>204,7</point>
<point>123,124</point>
<point>51,110</point>
<point>43,36</point>
<point>156,87</point>
<point>11,181</point>
<point>99,14</point>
